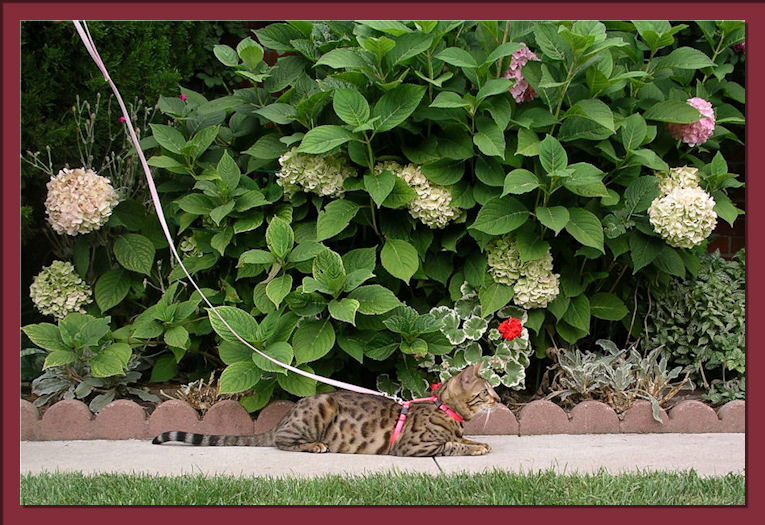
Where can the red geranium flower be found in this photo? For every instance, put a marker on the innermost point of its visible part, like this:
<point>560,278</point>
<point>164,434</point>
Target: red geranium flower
<point>510,328</point>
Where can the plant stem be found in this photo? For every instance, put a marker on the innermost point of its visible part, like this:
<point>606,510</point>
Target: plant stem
<point>633,94</point>
<point>624,269</point>
<point>371,162</point>
<point>569,77</point>
<point>430,86</point>
<point>716,52</point>
<point>504,39</point>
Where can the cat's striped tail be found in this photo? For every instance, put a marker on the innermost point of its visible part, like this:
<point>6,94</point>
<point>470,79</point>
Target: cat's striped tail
<point>206,440</point>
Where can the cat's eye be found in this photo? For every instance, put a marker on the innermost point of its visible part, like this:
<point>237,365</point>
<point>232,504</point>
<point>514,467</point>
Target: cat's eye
<point>484,392</point>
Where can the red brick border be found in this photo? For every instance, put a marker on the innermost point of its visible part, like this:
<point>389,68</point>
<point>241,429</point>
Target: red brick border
<point>124,419</point>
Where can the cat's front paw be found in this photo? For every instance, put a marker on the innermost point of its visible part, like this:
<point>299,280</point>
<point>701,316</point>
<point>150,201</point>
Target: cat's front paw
<point>319,448</point>
<point>479,449</point>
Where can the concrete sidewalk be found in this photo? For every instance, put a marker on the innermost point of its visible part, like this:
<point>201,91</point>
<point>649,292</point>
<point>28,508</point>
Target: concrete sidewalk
<point>707,454</point>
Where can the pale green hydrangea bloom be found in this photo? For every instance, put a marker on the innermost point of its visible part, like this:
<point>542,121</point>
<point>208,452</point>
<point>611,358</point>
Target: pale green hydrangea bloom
<point>682,177</point>
<point>533,282</point>
<point>319,174</point>
<point>536,292</point>
<point>57,290</point>
<point>504,260</point>
<point>432,205</point>
<point>539,268</point>
<point>684,217</point>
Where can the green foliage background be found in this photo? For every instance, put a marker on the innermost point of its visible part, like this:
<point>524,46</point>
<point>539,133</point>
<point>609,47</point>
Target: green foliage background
<point>159,56</point>
<point>700,322</point>
<point>344,286</point>
<point>55,72</point>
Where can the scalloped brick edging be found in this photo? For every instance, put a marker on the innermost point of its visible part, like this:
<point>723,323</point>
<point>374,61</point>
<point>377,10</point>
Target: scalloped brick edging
<point>124,419</point>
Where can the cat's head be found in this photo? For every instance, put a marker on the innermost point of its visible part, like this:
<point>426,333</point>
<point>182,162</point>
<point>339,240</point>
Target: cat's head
<point>468,393</point>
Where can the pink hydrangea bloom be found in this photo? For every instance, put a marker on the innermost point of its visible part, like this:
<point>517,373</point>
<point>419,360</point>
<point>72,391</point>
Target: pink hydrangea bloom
<point>697,132</point>
<point>521,90</point>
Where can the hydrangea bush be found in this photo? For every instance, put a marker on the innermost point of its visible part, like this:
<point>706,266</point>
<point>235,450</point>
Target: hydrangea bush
<point>344,204</point>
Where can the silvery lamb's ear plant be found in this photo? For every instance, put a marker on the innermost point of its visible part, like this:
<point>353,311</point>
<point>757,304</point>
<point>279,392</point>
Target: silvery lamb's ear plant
<point>617,377</point>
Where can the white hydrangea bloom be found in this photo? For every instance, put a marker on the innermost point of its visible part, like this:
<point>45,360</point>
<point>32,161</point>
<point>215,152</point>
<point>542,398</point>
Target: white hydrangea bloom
<point>319,174</point>
<point>57,290</point>
<point>432,206</point>
<point>536,292</point>
<point>682,177</point>
<point>79,201</point>
<point>533,281</point>
<point>684,217</point>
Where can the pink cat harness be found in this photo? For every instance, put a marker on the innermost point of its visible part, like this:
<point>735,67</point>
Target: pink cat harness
<point>405,410</point>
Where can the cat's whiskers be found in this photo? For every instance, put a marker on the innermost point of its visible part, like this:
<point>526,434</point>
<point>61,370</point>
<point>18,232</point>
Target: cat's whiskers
<point>488,412</point>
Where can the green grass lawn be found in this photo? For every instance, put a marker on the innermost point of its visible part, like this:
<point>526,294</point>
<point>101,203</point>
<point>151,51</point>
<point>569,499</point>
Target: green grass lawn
<point>490,488</point>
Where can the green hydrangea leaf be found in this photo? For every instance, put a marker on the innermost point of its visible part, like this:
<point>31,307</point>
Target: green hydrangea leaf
<point>135,252</point>
<point>238,377</point>
<point>312,340</point>
<point>297,384</point>
<point>344,309</point>
<point>400,259</point>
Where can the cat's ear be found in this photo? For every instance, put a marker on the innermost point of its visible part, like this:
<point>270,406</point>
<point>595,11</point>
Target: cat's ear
<point>470,374</point>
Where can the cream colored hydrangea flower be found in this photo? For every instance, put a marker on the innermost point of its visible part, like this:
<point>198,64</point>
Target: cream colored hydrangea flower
<point>319,174</point>
<point>504,260</point>
<point>79,201</point>
<point>533,281</point>
<point>57,290</point>
<point>684,217</point>
<point>539,267</point>
<point>682,177</point>
<point>536,292</point>
<point>432,206</point>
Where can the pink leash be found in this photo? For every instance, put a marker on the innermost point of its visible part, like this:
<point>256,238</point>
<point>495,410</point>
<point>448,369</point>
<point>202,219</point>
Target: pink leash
<point>82,29</point>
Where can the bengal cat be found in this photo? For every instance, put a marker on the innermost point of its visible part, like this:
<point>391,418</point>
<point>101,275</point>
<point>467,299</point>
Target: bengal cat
<point>353,423</point>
